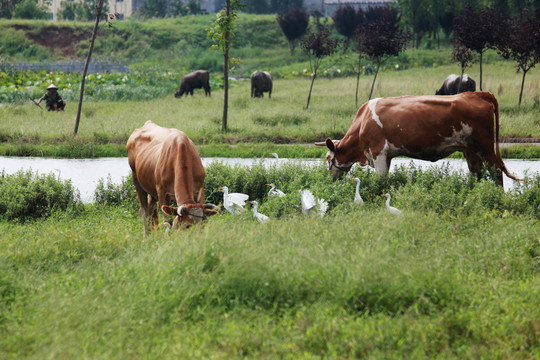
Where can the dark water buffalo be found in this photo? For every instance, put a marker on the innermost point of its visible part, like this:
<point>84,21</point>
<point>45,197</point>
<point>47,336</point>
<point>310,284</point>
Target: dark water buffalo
<point>195,80</point>
<point>261,82</point>
<point>455,84</point>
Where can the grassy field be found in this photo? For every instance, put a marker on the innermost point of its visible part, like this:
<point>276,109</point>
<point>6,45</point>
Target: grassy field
<point>281,120</point>
<point>457,277</point>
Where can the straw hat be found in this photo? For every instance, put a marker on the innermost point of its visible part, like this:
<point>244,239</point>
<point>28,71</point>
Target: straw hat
<point>52,86</point>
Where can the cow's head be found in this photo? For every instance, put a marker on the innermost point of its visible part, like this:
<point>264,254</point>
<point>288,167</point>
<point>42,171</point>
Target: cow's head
<point>180,91</point>
<point>186,215</point>
<point>336,168</point>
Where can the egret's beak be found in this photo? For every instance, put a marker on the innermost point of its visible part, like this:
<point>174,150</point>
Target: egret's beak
<point>268,185</point>
<point>220,189</point>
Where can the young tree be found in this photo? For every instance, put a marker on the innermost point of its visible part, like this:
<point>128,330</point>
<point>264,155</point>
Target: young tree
<point>7,7</point>
<point>99,9</point>
<point>294,24</point>
<point>29,9</point>
<point>277,6</point>
<point>318,46</point>
<point>223,36</point>
<point>480,30</point>
<point>464,57</point>
<point>523,43</point>
<point>380,37</point>
<point>155,8</point>
<point>346,20</point>
<point>418,16</point>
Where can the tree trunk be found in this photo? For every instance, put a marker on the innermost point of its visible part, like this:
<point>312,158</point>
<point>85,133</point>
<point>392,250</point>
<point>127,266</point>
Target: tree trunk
<point>226,74</point>
<point>310,88</point>
<point>99,7</point>
<point>481,53</point>
<point>375,78</point>
<point>357,84</point>
<point>522,85</point>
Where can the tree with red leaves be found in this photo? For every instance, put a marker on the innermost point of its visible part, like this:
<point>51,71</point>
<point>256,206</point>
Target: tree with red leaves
<point>294,24</point>
<point>346,20</point>
<point>523,43</point>
<point>318,46</point>
<point>480,30</point>
<point>380,37</point>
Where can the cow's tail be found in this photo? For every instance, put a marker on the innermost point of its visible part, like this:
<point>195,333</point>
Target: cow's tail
<point>500,163</point>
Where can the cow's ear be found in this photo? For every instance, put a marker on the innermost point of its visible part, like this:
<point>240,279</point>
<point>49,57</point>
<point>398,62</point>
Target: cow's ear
<point>330,145</point>
<point>169,210</point>
<point>210,212</point>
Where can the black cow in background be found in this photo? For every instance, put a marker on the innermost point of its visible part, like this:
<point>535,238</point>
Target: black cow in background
<point>195,80</point>
<point>455,84</point>
<point>261,82</point>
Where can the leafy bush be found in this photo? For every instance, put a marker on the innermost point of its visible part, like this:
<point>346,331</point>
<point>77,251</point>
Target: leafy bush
<point>123,194</point>
<point>26,195</point>
<point>438,189</point>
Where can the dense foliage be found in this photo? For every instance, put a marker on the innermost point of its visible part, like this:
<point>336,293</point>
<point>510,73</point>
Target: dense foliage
<point>28,196</point>
<point>438,189</point>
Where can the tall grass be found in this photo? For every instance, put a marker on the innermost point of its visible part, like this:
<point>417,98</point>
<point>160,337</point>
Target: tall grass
<point>357,283</point>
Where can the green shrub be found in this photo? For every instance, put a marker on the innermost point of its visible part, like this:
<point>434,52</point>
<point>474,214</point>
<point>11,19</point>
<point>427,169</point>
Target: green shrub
<point>26,196</point>
<point>124,194</point>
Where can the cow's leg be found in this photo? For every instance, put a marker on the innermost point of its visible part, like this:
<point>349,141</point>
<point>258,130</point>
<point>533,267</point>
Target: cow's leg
<point>491,159</point>
<point>144,202</point>
<point>474,162</point>
<point>152,210</point>
<point>382,164</point>
<point>206,90</point>
<point>270,94</point>
<point>164,199</point>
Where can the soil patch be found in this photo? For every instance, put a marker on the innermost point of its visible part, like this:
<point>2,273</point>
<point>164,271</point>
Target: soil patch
<point>61,40</point>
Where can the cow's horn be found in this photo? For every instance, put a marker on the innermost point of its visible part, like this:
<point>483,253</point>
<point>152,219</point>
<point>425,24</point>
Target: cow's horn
<point>180,209</point>
<point>210,206</point>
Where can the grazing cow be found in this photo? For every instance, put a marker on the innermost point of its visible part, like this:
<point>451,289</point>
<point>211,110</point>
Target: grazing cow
<point>423,127</point>
<point>195,80</point>
<point>261,82</point>
<point>165,165</point>
<point>455,84</point>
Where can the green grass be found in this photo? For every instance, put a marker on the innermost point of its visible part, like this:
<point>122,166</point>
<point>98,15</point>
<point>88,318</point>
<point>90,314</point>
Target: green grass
<point>357,283</point>
<point>456,277</point>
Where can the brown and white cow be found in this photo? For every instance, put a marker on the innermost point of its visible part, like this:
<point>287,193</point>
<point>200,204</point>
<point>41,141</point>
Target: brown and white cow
<point>423,127</point>
<point>166,165</point>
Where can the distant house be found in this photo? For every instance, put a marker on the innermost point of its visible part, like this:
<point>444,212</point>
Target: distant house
<point>126,8</point>
<point>329,7</point>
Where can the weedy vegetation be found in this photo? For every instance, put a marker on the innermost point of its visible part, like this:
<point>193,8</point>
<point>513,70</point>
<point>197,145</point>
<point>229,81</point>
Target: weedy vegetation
<point>456,277</point>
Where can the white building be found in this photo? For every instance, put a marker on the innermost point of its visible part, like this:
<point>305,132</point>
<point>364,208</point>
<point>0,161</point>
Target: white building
<point>126,8</point>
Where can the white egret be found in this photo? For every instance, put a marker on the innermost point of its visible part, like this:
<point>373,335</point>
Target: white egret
<point>274,155</point>
<point>233,202</point>
<point>392,210</point>
<point>275,192</point>
<point>357,198</point>
<point>263,219</point>
<point>310,205</point>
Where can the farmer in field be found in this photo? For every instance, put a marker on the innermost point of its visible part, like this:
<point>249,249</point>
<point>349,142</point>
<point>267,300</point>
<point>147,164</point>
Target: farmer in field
<point>53,99</point>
